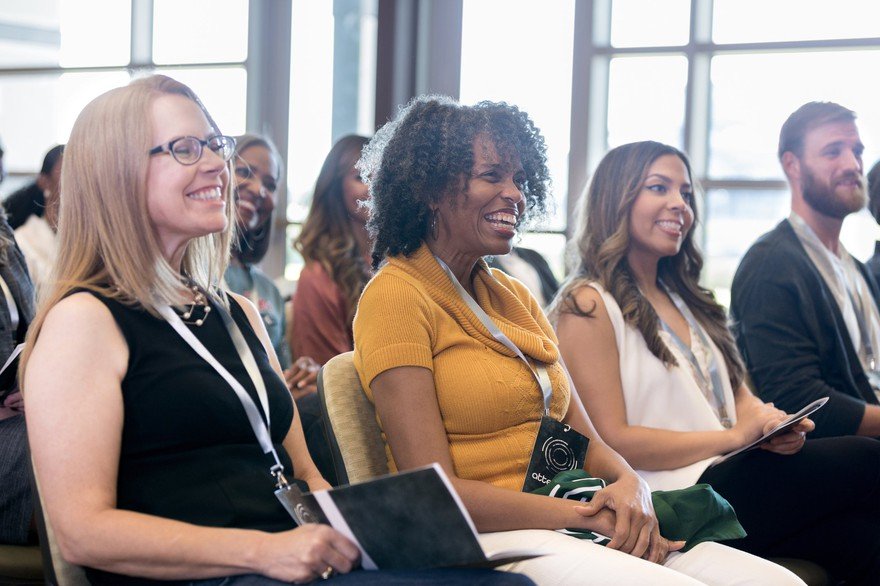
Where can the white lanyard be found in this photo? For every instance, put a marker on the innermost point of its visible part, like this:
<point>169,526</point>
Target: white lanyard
<point>10,304</point>
<point>717,389</point>
<point>260,427</point>
<point>864,332</point>
<point>541,376</point>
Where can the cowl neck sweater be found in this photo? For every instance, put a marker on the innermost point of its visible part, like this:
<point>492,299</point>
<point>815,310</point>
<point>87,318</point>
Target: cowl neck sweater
<point>534,337</point>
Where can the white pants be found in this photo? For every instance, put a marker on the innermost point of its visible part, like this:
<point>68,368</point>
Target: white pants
<point>576,561</point>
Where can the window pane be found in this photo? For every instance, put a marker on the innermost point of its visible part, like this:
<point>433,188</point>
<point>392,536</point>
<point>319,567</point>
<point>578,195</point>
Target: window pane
<point>646,98</point>
<point>200,31</point>
<point>733,220</point>
<point>33,38</point>
<point>750,103</point>
<point>62,32</point>
<point>83,20</point>
<point>859,233</point>
<point>295,262</point>
<point>43,53</point>
<point>750,21</point>
<point>13,183</point>
<point>223,91</point>
<point>311,104</point>
<point>648,23</point>
<point>534,75</point>
<point>333,48</point>
<point>38,111</point>
<point>355,25</point>
<point>34,13</point>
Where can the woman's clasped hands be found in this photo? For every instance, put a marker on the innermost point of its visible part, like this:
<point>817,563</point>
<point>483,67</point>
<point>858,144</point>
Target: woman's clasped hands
<point>634,528</point>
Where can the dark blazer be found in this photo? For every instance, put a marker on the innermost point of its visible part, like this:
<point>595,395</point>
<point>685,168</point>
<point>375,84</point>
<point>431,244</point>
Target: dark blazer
<point>792,335</point>
<point>549,284</point>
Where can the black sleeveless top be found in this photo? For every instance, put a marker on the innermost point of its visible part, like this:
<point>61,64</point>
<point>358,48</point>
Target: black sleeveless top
<point>188,451</point>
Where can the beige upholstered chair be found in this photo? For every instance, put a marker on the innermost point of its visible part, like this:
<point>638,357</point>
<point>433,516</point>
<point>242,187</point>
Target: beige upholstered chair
<point>353,433</point>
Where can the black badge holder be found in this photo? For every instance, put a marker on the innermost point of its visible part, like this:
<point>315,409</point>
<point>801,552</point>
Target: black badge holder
<point>558,447</point>
<point>290,496</point>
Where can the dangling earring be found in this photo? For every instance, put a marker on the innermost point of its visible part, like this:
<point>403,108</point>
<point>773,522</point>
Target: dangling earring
<point>435,228</point>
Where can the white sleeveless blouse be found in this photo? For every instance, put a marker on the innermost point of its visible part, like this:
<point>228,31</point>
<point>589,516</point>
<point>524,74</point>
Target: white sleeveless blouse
<point>664,398</point>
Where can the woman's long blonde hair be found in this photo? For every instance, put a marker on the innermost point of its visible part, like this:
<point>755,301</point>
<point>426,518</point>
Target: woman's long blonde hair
<point>600,244</point>
<point>107,243</point>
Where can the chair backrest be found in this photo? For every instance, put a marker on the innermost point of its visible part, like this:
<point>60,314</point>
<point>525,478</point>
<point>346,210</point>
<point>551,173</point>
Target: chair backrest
<point>352,431</point>
<point>56,570</point>
<point>20,564</point>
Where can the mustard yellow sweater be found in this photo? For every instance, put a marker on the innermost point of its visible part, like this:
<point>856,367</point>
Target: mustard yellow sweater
<point>410,314</point>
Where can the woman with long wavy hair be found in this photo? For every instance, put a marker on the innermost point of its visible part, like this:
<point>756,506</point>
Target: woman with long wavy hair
<point>335,245</point>
<point>657,369</point>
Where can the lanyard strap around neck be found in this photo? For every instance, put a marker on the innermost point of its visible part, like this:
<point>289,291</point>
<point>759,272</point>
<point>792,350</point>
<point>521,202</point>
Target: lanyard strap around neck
<point>10,305</point>
<point>539,371</point>
<point>717,387</point>
<point>864,332</point>
<point>260,427</point>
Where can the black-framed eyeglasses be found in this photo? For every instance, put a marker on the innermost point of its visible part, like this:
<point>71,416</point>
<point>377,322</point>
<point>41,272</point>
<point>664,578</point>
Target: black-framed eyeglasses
<point>187,150</point>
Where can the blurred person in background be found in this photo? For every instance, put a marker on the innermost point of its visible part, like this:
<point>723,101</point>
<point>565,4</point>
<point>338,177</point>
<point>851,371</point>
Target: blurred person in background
<point>336,247</point>
<point>2,166</point>
<point>16,313</point>
<point>873,263</point>
<point>258,169</point>
<point>31,199</point>
<point>33,214</point>
<point>532,269</point>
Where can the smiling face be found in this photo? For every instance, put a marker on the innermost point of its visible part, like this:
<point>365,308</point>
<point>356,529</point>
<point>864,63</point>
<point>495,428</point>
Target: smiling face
<point>662,213</point>
<point>482,219</point>
<point>256,181</point>
<point>830,171</point>
<point>183,201</point>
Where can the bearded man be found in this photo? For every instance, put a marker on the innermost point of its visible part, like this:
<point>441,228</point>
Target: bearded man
<point>805,312</point>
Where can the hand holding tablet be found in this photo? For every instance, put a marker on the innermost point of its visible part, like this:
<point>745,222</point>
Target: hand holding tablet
<point>784,427</point>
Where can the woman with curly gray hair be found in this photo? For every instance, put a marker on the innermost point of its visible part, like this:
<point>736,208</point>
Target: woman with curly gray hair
<point>463,367</point>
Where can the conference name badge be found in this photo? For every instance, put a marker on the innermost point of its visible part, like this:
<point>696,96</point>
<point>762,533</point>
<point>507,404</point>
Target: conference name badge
<point>557,448</point>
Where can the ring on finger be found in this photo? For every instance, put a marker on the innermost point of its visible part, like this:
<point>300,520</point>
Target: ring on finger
<point>327,573</point>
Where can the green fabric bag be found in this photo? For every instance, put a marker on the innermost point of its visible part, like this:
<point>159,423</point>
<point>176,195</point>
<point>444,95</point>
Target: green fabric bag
<point>693,515</point>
